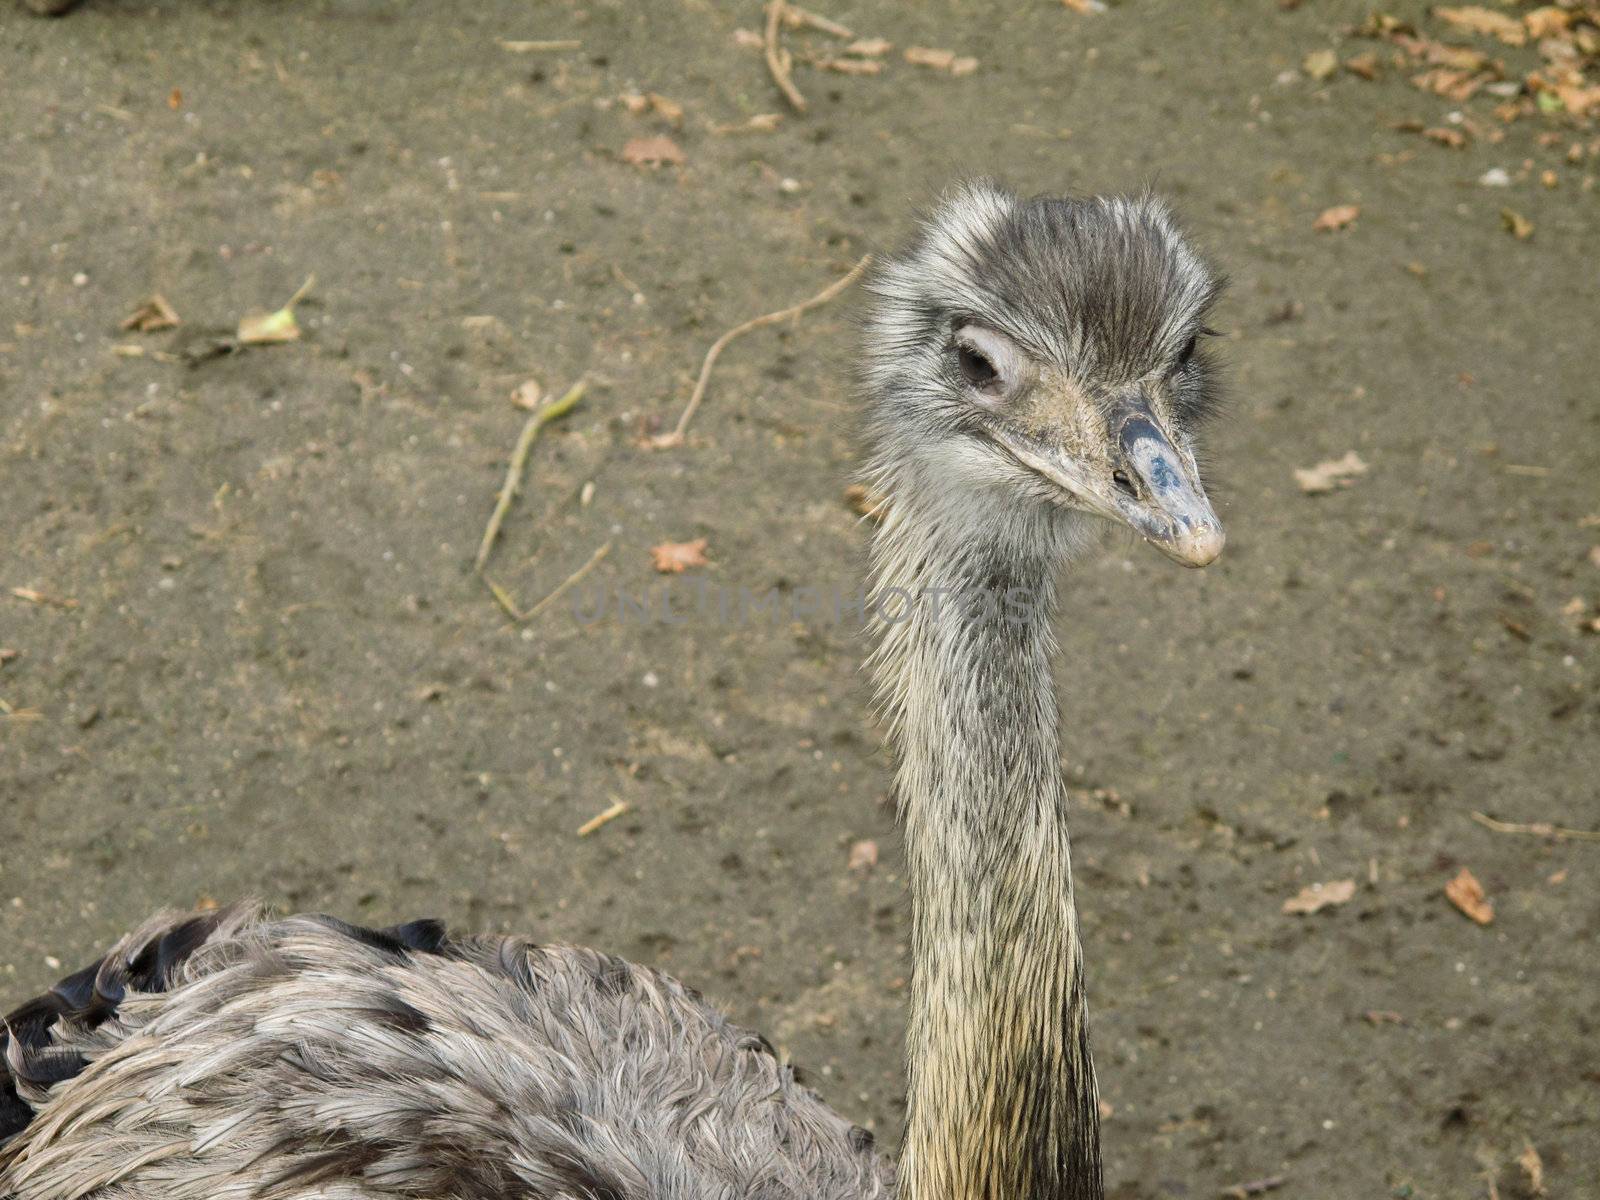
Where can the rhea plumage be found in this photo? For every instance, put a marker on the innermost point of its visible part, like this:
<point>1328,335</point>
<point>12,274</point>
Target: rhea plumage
<point>1029,366</point>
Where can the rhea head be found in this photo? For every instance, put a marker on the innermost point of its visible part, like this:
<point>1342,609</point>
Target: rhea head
<point>1047,354</point>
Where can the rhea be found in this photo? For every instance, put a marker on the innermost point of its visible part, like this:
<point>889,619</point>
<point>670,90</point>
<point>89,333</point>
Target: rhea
<point>1030,367</point>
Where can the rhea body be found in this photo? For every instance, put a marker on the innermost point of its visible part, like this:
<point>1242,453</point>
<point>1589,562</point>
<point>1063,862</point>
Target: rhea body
<point>1029,367</point>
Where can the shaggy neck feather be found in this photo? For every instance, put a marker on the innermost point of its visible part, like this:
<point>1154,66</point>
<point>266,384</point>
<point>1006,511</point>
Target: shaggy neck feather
<point>1002,1091</point>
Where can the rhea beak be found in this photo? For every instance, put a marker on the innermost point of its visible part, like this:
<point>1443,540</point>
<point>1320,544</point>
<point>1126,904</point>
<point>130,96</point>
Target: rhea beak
<point>1154,485</point>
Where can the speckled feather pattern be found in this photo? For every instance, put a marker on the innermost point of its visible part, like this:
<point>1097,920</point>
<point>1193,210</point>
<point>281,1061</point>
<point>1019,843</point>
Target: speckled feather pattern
<point>301,1058</point>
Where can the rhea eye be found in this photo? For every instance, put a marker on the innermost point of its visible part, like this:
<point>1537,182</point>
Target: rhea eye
<point>977,370</point>
<point>1187,352</point>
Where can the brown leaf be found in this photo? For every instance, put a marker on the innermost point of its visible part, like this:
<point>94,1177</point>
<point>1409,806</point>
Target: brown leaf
<point>1378,1016</point>
<point>863,855</point>
<point>652,152</point>
<point>152,315</point>
<point>1517,225</point>
<point>1475,19</point>
<point>1336,217</point>
<point>175,99</point>
<point>1319,896</point>
<point>1364,65</point>
<point>1446,54</point>
<point>674,558</point>
<point>1330,475</point>
<point>1530,1162</point>
<point>1445,136</point>
<point>1548,21</point>
<point>1451,84</point>
<point>1466,893</point>
<point>7,654</point>
<point>1086,7</point>
<point>1321,64</point>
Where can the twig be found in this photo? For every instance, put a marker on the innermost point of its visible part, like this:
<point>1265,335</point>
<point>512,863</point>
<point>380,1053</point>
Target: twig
<point>568,583</point>
<point>518,47</point>
<point>775,58</point>
<point>796,17</point>
<point>503,598</point>
<point>33,597</point>
<point>1243,1191</point>
<point>519,458</point>
<point>603,818</point>
<point>1537,829</point>
<point>675,438</point>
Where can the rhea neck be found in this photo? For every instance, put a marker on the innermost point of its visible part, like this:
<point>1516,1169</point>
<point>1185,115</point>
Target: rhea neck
<point>1002,1102</point>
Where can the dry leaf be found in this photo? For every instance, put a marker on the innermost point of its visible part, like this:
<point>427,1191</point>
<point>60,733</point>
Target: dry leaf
<point>1319,896</point>
<point>863,854</point>
<point>1485,21</point>
<point>265,329</point>
<point>1461,58</point>
<point>652,152</point>
<point>1364,65</point>
<point>151,316</point>
<point>1445,136</point>
<point>1466,893</point>
<point>1548,21</point>
<point>7,654</point>
<point>1530,1162</point>
<point>528,394</point>
<point>1452,85</point>
<point>175,99</point>
<point>1086,7</point>
<point>1517,225</point>
<point>869,47</point>
<point>1330,475</point>
<point>674,558</point>
<point>1336,217</point>
<point>1321,64</point>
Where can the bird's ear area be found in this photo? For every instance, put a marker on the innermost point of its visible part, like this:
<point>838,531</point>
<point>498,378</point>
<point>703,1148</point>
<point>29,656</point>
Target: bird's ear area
<point>987,364</point>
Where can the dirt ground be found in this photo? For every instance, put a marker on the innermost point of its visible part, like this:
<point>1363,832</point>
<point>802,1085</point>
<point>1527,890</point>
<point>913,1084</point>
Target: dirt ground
<point>278,677</point>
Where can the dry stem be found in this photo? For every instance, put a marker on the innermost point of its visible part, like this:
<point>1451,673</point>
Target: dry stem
<point>1537,829</point>
<point>519,459</point>
<point>776,60</point>
<point>675,438</point>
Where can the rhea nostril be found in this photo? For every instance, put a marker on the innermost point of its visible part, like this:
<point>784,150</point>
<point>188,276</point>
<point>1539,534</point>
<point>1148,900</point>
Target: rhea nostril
<point>1124,483</point>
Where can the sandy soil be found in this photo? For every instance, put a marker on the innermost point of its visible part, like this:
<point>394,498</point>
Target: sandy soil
<point>278,676</point>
